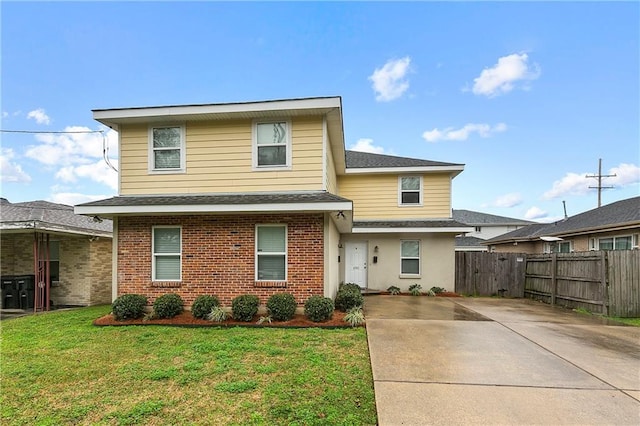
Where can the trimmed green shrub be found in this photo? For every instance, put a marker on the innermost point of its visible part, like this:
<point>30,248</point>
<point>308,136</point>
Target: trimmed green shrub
<point>348,297</point>
<point>318,308</point>
<point>244,307</point>
<point>203,305</point>
<point>168,305</point>
<point>128,306</point>
<point>281,306</point>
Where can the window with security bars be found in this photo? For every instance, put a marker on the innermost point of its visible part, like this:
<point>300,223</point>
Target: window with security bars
<point>410,257</point>
<point>410,190</point>
<point>271,253</point>
<point>167,253</point>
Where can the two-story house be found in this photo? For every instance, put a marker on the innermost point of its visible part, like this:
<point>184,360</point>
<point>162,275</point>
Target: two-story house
<point>262,197</point>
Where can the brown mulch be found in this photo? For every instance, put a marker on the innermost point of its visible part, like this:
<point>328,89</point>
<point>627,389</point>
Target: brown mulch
<point>185,319</point>
<point>442,294</point>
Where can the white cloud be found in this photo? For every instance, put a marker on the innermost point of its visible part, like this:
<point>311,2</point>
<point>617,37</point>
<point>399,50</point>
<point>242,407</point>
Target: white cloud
<point>503,76</point>
<point>40,116</point>
<point>508,200</point>
<point>451,134</point>
<point>71,148</point>
<point>389,82</point>
<point>11,171</point>
<point>366,145</point>
<point>578,183</point>
<point>535,213</point>
<point>98,172</point>
<point>73,198</point>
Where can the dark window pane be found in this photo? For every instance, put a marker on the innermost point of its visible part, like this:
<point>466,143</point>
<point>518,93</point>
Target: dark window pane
<point>410,266</point>
<point>167,159</point>
<point>271,267</point>
<point>272,156</point>
<point>410,198</point>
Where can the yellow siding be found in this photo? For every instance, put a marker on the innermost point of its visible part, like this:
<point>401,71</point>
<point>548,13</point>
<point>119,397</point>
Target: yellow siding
<point>219,159</point>
<point>376,197</point>
<point>331,178</point>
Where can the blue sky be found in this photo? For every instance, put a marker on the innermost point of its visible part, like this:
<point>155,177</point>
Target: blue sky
<point>528,95</point>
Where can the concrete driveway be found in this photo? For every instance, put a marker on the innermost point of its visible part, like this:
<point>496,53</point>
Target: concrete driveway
<point>499,361</point>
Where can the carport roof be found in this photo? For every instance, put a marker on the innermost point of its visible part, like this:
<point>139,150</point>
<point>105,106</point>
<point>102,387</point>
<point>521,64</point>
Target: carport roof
<point>51,217</point>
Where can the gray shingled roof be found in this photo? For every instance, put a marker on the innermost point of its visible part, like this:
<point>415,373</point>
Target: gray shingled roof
<point>621,213</point>
<point>477,218</point>
<point>444,223</point>
<point>464,241</point>
<point>363,160</point>
<point>49,216</point>
<point>219,199</point>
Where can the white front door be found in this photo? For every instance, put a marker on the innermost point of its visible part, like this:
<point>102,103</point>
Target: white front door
<point>356,264</point>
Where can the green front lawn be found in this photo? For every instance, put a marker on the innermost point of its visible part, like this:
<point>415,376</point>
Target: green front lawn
<point>57,368</point>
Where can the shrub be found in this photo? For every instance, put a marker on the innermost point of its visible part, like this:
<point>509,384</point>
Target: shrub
<point>128,306</point>
<point>437,290</point>
<point>281,306</point>
<point>355,316</point>
<point>168,305</point>
<point>414,289</point>
<point>393,290</point>
<point>203,305</point>
<point>348,297</point>
<point>217,314</point>
<point>318,308</point>
<point>244,307</point>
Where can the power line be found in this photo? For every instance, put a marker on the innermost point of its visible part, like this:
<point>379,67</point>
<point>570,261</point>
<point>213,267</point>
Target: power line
<point>50,131</point>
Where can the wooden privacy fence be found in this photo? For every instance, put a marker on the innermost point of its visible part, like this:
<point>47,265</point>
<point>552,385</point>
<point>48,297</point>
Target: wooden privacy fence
<point>606,282</point>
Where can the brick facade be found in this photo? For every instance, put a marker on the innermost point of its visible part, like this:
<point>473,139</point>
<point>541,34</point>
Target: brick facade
<point>218,256</point>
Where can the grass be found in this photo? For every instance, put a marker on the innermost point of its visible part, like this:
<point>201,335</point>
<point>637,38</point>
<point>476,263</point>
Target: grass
<point>57,368</point>
<point>628,321</point>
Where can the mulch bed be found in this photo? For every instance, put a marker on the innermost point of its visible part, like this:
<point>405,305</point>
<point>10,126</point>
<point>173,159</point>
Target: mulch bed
<point>185,319</point>
<point>442,294</point>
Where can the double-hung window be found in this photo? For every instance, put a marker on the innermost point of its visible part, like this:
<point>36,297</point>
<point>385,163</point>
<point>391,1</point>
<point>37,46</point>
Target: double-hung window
<point>166,148</point>
<point>272,145</point>
<point>410,257</point>
<point>271,253</point>
<point>410,191</point>
<point>167,253</point>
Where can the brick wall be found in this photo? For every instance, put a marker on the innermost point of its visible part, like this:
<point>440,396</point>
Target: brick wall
<point>218,256</point>
<point>101,262</point>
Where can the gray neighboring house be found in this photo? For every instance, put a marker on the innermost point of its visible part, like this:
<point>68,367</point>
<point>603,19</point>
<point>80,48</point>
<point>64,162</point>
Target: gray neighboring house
<point>486,226</point>
<point>615,226</point>
<point>46,243</point>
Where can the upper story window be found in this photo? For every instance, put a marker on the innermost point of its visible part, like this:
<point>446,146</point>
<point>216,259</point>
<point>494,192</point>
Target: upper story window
<point>166,149</point>
<point>478,229</point>
<point>410,193</point>
<point>271,145</point>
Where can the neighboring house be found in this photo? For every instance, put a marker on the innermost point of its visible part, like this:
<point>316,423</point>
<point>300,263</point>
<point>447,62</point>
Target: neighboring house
<point>485,226</point>
<point>615,226</point>
<point>44,243</point>
<point>262,197</point>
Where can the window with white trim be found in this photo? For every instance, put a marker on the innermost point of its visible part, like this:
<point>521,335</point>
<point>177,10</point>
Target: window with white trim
<point>166,148</point>
<point>271,252</point>
<point>272,145</point>
<point>167,253</point>
<point>410,191</point>
<point>616,243</point>
<point>410,257</point>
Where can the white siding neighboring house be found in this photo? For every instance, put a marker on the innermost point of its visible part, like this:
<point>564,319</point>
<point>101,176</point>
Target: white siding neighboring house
<point>486,226</point>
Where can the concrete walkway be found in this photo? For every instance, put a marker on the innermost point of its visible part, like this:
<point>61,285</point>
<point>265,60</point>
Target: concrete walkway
<point>499,361</point>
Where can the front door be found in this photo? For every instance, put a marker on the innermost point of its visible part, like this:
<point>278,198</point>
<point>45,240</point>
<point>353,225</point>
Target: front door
<point>356,265</point>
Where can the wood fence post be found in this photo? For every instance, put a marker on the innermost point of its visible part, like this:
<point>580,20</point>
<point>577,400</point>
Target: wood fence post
<point>554,277</point>
<point>604,267</point>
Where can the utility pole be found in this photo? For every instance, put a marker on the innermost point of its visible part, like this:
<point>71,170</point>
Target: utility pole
<point>599,176</point>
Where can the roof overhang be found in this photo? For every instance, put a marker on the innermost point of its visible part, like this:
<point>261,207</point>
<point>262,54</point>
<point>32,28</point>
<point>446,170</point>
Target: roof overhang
<point>410,227</point>
<point>423,230</point>
<point>454,170</point>
<point>23,227</point>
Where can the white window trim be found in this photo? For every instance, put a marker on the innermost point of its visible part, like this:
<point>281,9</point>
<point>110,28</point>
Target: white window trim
<point>183,150</point>
<point>285,253</point>
<point>254,146</point>
<point>633,237</point>
<point>419,274</point>
<point>420,192</point>
<point>153,252</point>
